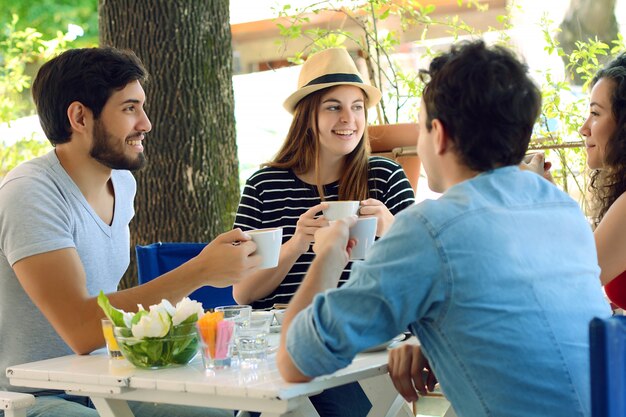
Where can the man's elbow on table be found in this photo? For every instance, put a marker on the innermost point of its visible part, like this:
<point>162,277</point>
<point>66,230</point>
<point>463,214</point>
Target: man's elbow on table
<point>287,368</point>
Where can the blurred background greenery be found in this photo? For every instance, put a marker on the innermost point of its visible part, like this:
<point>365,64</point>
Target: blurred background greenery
<point>30,32</point>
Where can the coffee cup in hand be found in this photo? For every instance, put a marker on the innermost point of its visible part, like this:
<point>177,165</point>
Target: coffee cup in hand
<point>268,244</point>
<point>529,157</point>
<point>364,231</point>
<point>340,209</point>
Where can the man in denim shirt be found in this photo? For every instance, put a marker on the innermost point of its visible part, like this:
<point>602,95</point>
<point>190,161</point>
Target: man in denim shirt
<point>498,278</point>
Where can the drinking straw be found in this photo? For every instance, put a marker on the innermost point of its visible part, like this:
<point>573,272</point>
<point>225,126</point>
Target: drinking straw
<point>208,329</point>
<point>224,335</point>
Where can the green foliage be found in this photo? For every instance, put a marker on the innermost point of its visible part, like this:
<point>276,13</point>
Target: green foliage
<point>400,87</point>
<point>20,51</point>
<point>112,313</point>
<point>20,151</point>
<point>52,16</point>
<point>564,105</point>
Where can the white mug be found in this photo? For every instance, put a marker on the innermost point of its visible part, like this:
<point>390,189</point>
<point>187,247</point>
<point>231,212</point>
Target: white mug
<point>268,243</point>
<point>340,209</point>
<point>364,231</point>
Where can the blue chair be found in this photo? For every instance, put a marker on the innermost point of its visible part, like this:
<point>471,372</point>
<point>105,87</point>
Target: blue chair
<point>158,258</point>
<point>607,342</point>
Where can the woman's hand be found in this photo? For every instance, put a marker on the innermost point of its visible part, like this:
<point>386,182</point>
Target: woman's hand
<point>306,227</point>
<point>375,208</point>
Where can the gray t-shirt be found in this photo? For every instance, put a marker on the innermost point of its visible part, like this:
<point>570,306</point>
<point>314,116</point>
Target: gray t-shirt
<point>41,210</point>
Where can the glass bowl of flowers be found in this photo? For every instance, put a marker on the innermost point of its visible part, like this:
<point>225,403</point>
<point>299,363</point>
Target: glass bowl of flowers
<point>160,337</point>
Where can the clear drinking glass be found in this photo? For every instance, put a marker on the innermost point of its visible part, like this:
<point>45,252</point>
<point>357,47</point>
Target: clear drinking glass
<point>216,343</point>
<point>240,314</point>
<point>252,341</point>
<point>112,347</point>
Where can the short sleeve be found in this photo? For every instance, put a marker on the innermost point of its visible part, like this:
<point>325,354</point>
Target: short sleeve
<point>250,209</point>
<point>390,184</point>
<point>400,194</point>
<point>34,218</point>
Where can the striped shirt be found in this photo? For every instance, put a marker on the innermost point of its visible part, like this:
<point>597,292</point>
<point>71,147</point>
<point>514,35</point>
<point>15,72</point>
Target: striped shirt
<point>276,197</point>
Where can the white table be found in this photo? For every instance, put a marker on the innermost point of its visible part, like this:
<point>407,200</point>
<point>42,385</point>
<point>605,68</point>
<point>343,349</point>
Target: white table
<point>111,383</point>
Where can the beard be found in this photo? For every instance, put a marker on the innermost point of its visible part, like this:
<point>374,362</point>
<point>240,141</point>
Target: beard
<point>109,151</point>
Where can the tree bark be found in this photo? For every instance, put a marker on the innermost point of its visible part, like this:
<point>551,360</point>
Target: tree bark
<point>190,189</point>
<point>584,20</point>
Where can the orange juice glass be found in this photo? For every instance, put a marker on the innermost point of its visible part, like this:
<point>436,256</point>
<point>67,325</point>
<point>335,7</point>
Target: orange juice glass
<point>112,348</point>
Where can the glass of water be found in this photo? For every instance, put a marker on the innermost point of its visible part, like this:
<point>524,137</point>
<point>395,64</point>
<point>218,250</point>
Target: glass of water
<point>253,341</point>
<point>235,311</point>
<point>240,314</point>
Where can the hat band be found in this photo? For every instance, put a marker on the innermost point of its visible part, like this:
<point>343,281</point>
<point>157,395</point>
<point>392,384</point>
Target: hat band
<point>335,78</point>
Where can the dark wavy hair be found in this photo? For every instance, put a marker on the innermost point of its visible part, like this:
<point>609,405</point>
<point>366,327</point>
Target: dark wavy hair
<point>609,183</point>
<point>89,76</point>
<point>486,101</point>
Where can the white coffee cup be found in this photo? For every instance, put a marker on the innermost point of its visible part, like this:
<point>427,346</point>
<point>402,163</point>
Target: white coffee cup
<point>268,243</point>
<point>364,231</point>
<point>340,209</point>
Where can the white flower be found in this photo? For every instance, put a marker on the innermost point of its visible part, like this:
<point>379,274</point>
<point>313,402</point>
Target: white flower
<point>128,318</point>
<point>185,308</point>
<point>156,323</point>
<point>167,306</point>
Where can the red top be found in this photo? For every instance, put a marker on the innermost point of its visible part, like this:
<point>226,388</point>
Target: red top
<point>616,290</point>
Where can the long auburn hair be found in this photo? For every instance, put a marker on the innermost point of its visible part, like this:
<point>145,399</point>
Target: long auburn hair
<point>301,151</point>
<point>608,183</point>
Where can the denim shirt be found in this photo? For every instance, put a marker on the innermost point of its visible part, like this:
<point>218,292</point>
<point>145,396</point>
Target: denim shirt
<point>498,279</point>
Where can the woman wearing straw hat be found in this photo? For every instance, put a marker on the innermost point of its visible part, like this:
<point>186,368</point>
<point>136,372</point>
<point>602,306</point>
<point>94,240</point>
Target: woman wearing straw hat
<point>325,157</point>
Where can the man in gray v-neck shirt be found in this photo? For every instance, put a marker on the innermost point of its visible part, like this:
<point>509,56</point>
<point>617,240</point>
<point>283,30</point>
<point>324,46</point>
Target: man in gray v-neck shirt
<point>64,223</point>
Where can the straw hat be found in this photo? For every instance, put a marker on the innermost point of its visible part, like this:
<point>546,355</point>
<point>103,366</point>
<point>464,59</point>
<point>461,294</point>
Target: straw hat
<point>329,68</point>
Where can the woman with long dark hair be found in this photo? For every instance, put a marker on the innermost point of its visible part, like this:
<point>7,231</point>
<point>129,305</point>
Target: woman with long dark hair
<point>604,131</point>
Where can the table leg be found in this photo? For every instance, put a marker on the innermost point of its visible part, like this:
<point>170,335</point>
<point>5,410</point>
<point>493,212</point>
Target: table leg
<point>433,403</point>
<point>15,413</point>
<point>108,407</point>
<point>450,412</point>
<point>305,409</point>
<point>384,398</point>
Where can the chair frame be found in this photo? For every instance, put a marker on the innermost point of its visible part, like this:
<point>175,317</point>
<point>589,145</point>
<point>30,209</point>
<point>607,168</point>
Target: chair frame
<point>14,404</point>
<point>607,346</point>
<point>157,258</point>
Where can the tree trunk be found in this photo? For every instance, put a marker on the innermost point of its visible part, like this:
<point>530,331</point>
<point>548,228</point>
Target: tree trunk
<point>584,20</point>
<point>190,189</point>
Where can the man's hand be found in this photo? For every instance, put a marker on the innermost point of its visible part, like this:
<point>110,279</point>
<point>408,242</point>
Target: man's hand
<point>333,243</point>
<point>536,163</point>
<point>228,258</point>
<point>410,372</point>
<point>376,208</point>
